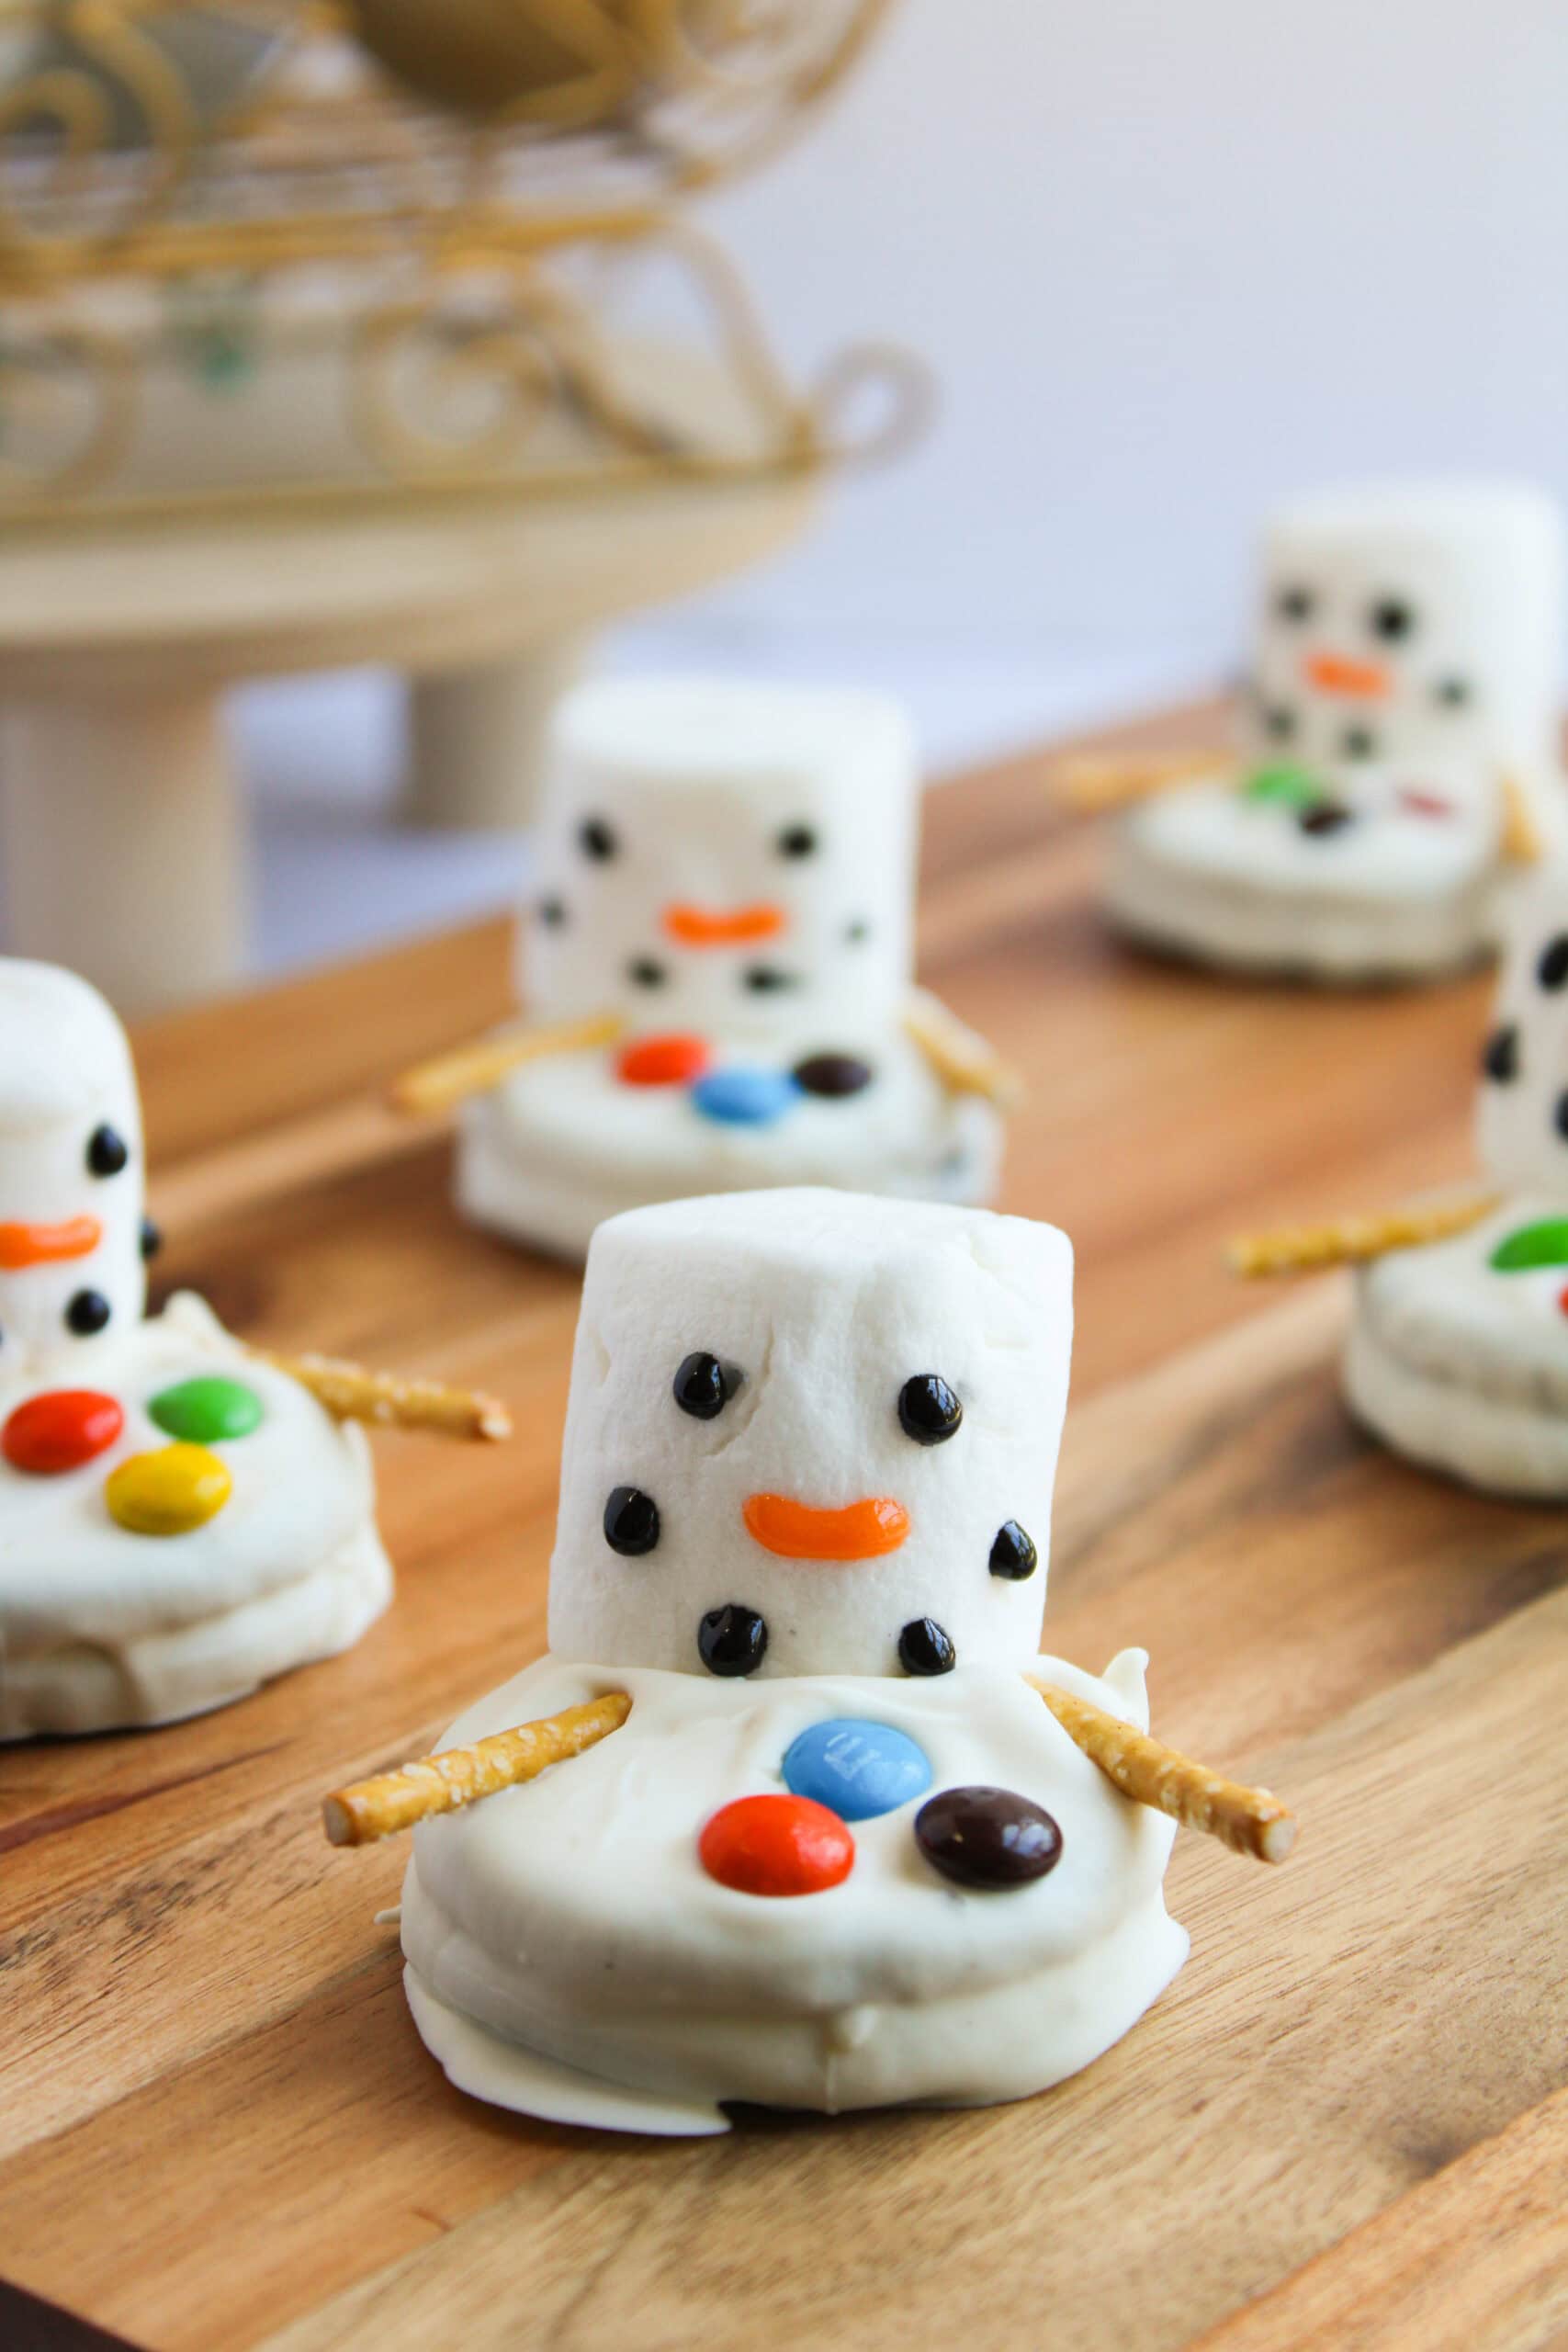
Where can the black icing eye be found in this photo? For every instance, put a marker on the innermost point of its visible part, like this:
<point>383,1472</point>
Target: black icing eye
<point>1358,743</point>
<point>926,1647</point>
<point>87,1313</point>
<point>1295,604</point>
<point>856,934</point>
<point>107,1151</point>
<point>1560,1115</point>
<point>1500,1056</point>
<point>797,840</point>
<point>1390,618</point>
<point>1013,1554</point>
<point>597,840</point>
<point>631,1522</point>
<point>552,913</point>
<point>1552,970</point>
<point>645,973</point>
<point>1452,692</point>
<point>703,1387</point>
<point>766,980</point>
<point>732,1640</point>
<point>1279,721</point>
<point>152,1238</point>
<point>927,1410</point>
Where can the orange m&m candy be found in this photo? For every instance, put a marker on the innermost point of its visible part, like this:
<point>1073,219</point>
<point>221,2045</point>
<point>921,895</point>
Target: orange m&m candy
<point>776,1846</point>
<point>59,1430</point>
<point>671,1060</point>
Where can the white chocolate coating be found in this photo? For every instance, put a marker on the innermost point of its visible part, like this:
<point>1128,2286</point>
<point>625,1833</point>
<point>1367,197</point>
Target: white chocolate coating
<point>698,785</point>
<point>101,1628</point>
<point>571,1920</point>
<point>65,1073</point>
<point>561,1144</point>
<point>1398,892</point>
<point>824,1304</point>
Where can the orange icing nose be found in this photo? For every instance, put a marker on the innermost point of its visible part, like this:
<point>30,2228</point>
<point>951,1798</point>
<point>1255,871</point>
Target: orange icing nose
<point>862,1530</point>
<point>1335,673</point>
<point>698,927</point>
<point>44,1245</point>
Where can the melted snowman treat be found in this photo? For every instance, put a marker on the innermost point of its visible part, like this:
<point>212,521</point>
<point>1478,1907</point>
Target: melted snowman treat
<point>181,1521</point>
<point>839,1854</point>
<point>728,872</point>
<point>1403,702</point>
<point>1458,1354</point>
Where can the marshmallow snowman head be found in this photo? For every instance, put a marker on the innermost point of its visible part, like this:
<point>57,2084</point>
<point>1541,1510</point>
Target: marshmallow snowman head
<point>1522,1107</point>
<point>721,856</point>
<point>812,1434</point>
<point>1411,623</point>
<point>71,1173</point>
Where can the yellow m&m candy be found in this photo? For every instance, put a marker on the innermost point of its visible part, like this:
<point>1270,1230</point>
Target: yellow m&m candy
<point>169,1492</point>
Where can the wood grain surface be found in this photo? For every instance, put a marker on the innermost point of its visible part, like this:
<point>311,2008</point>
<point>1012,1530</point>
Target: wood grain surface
<point>1346,2124</point>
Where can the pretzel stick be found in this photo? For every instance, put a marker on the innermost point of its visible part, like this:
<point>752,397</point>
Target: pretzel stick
<point>1307,1249</point>
<point>460,1776</point>
<point>452,1078</point>
<point>1092,785</point>
<point>962,1062</point>
<point>1250,1821</point>
<point>1523,843</point>
<point>352,1394</point>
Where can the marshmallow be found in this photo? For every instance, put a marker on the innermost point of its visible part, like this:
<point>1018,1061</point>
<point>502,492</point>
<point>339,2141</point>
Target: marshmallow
<point>715,854</point>
<point>814,1503</point>
<point>71,1171</point>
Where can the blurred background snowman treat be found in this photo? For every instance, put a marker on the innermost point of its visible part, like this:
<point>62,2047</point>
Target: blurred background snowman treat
<point>1398,753</point>
<point>793,1811</point>
<point>1458,1351</point>
<point>717,965</point>
<point>183,1517</point>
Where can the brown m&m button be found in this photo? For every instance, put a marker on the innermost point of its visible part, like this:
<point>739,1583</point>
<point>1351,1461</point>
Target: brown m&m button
<point>987,1838</point>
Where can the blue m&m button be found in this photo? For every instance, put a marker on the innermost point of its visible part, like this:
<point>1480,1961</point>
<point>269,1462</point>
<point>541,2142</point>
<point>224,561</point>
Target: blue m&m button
<point>858,1769</point>
<point>743,1097</point>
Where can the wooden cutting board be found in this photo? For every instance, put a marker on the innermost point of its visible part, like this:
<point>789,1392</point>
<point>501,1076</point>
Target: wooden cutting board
<point>1344,2124</point>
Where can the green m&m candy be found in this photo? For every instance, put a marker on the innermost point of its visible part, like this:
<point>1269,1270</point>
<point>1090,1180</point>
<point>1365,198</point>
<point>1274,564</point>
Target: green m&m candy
<point>198,1411</point>
<point>1289,787</point>
<point>1544,1243</point>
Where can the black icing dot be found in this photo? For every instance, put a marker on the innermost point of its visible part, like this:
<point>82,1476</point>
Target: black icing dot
<point>152,1238</point>
<point>856,934</point>
<point>1359,744</point>
<point>1453,692</point>
<point>645,972</point>
<point>552,913</point>
<point>797,840</point>
<point>764,979</point>
<point>1325,817</point>
<point>1500,1055</point>
<point>1390,618</point>
<point>1013,1554</point>
<point>597,840</point>
<point>832,1074</point>
<point>703,1387</point>
<point>1551,971</point>
<point>1294,603</point>
<point>732,1640</point>
<point>631,1522</point>
<point>925,1648</point>
<point>87,1312</point>
<point>1278,720</point>
<point>106,1151</point>
<point>1560,1115</point>
<point>927,1410</point>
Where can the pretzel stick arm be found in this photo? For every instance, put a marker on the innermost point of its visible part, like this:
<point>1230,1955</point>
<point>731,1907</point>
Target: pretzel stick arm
<point>387,1400</point>
<point>960,1058</point>
<point>439,1085</point>
<point>1250,1821</point>
<point>1352,1242</point>
<point>460,1776</point>
<point>1092,785</point>
<point>1523,841</point>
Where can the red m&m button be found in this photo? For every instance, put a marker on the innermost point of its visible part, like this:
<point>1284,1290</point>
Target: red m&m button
<point>776,1846</point>
<point>59,1430</point>
<point>672,1060</point>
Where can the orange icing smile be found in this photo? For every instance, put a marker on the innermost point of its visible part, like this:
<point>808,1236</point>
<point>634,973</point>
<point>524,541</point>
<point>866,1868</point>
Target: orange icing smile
<point>862,1530</point>
<point>45,1245</point>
